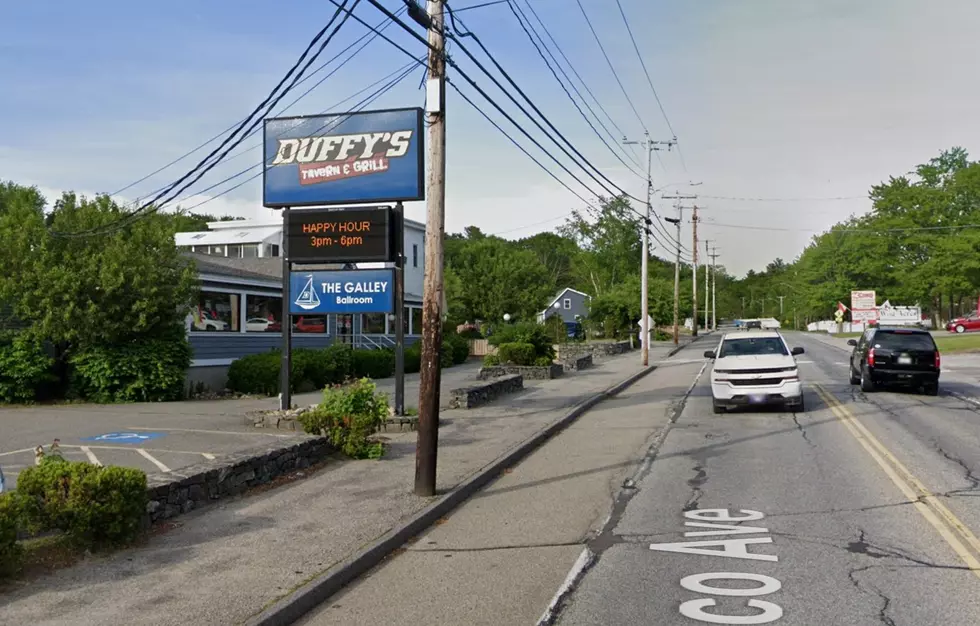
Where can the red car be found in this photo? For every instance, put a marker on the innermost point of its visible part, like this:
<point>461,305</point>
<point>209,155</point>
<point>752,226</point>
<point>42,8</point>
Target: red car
<point>306,325</point>
<point>964,324</point>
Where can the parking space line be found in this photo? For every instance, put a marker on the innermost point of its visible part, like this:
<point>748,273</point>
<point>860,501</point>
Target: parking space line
<point>207,432</point>
<point>17,451</point>
<point>152,459</point>
<point>94,460</point>
<point>208,456</point>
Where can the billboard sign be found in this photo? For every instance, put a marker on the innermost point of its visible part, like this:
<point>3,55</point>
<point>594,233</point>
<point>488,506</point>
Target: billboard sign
<point>864,315</point>
<point>347,291</point>
<point>899,315</point>
<point>863,300</point>
<point>343,158</point>
<point>361,235</point>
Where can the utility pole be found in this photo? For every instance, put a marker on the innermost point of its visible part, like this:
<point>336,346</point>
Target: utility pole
<point>694,272</point>
<point>430,371</point>
<point>706,279</point>
<point>677,263</point>
<point>645,260</point>
<point>780,306</point>
<point>714,284</point>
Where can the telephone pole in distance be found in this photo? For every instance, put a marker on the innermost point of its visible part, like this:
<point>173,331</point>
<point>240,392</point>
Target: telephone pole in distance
<point>644,261</point>
<point>714,284</point>
<point>676,221</point>
<point>707,277</point>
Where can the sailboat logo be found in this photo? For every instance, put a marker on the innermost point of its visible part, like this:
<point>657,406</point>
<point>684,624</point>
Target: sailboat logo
<point>308,299</point>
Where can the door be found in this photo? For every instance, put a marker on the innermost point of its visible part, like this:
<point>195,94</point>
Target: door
<point>345,329</point>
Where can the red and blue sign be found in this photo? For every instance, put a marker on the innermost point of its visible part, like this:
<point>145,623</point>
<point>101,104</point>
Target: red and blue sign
<point>346,291</point>
<point>345,158</point>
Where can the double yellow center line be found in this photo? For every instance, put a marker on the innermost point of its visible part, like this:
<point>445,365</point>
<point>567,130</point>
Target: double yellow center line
<point>959,537</point>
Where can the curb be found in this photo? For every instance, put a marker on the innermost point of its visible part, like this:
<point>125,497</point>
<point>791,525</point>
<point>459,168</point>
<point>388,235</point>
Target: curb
<point>291,608</point>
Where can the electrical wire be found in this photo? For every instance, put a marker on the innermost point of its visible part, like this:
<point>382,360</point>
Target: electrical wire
<point>369,36</point>
<point>514,10</point>
<point>612,188</point>
<point>156,203</point>
<point>612,68</point>
<point>844,230</point>
<point>814,199</point>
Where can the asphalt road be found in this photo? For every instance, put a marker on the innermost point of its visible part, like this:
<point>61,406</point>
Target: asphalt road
<point>862,510</point>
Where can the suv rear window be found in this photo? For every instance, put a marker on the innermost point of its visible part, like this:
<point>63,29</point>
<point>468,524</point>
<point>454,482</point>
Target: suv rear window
<point>904,341</point>
<point>752,346</point>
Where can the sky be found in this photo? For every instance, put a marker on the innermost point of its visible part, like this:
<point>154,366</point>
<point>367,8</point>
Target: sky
<point>785,112</point>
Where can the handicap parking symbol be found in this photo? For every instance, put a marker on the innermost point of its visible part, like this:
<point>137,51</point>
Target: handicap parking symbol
<point>124,437</point>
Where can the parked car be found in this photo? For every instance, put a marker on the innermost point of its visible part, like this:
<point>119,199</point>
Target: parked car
<point>895,356</point>
<point>755,369</point>
<point>260,324</point>
<point>963,324</point>
<point>307,325</point>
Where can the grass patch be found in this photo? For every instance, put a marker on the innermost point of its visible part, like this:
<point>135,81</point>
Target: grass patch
<point>959,343</point>
<point>847,335</point>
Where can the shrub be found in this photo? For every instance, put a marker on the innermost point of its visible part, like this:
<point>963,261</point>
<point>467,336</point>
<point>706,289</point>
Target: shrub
<point>373,363</point>
<point>446,355</point>
<point>470,333</point>
<point>10,519</point>
<point>413,358</point>
<point>459,346</point>
<point>256,373</point>
<point>348,416</point>
<point>24,368</point>
<point>543,361</point>
<point>491,360</point>
<point>95,506</point>
<point>143,370</point>
<point>517,353</point>
<point>525,332</point>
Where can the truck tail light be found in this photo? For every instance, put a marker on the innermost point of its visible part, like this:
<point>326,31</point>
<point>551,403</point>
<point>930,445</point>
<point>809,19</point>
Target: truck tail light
<point>871,357</point>
<point>938,360</point>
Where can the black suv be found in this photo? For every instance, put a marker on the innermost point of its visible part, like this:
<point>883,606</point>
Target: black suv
<point>901,356</point>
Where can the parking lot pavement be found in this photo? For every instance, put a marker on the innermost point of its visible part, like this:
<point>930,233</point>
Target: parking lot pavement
<point>156,450</point>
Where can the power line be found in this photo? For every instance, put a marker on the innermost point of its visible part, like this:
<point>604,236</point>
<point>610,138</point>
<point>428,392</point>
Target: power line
<point>845,230</point>
<point>611,185</point>
<point>156,203</point>
<point>577,75</point>
<point>612,68</point>
<point>514,10</point>
<point>369,36</point>
<point>813,199</point>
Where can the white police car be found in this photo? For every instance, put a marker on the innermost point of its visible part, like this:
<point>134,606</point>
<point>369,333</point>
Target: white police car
<point>753,369</point>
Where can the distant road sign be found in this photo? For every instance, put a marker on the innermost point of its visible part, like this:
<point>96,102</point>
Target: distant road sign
<point>863,300</point>
<point>125,437</point>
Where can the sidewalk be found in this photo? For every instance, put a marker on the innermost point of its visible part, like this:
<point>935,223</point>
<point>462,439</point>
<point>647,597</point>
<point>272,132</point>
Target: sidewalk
<point>502,556</point>
<point>228,561</point>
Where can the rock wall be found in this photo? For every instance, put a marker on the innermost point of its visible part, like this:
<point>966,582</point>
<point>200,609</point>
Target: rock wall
<point>529,372</point>
<point>579,363</point>
<point>568,351</point>
<point>483,393</point>
<point>183,490</point>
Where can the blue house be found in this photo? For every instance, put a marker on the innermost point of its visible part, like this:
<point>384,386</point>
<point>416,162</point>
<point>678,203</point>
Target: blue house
<point>570,305</point>
<point>240,308</point>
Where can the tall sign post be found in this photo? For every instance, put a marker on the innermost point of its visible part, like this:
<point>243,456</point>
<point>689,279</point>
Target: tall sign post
<point>343,159</point>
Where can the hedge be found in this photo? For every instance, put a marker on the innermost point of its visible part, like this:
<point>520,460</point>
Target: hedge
<point>517,353</point>
<point>24,368</point>
<point>349,416</point>
<point>525,332</point>
<point>94,506</point>
<point>10,520</point>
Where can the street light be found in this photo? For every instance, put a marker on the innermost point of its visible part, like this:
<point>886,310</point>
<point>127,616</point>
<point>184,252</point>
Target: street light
<point>506,317</point>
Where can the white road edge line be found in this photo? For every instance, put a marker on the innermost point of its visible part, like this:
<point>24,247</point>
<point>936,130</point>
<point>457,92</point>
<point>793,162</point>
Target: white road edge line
<point>583,561</point>
<point>152,459</point>
<point>208,456</point>
<point>94,460</point>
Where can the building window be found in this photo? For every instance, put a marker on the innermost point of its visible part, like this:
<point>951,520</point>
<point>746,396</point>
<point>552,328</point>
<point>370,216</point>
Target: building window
<point>250,250</point>
<point>217,251</point>
<point>373,323</point>
<point>216,312</point>
<point>263,314</point>
<point>310,324</point>
<point>568,303</point>
<point>413,320</point>
<point>415,255</point>
<point>234,251</point>
<point>271,249</point>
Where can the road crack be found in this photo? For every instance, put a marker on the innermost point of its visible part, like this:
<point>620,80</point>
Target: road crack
<point>968,472</point>
<point>799,426</point>
<point>886,601</point>
<point>700,478</point>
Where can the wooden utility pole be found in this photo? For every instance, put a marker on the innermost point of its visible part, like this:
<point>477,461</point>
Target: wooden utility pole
<point>677,263</point>
<point>714,284</point>
<point>694,273</point>
<point>706,279</point>
<point>432,297</point>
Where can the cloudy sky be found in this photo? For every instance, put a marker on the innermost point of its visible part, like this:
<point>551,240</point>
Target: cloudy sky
<point>809,101</point>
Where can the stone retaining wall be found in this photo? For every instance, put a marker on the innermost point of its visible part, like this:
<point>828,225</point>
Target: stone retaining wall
<point>183,490</point>
<point>567,351</point>
<point>579,363</point>
<point>529,372</point>
<point>483,393</point>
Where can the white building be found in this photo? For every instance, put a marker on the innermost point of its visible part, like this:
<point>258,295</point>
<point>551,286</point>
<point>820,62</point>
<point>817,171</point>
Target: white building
<point>243,239</point>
